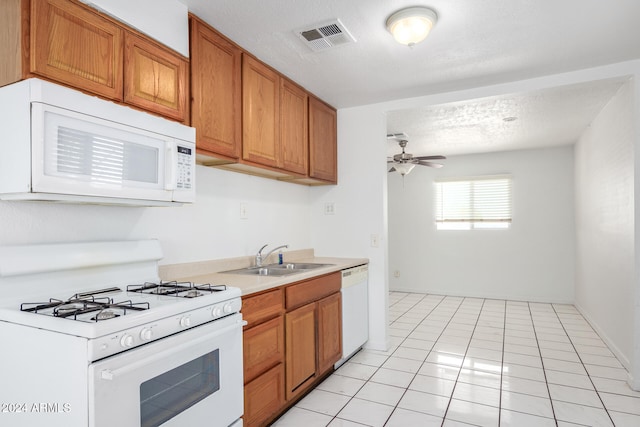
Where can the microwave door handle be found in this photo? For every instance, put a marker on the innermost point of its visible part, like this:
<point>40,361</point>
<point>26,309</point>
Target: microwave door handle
<point>171,165</point>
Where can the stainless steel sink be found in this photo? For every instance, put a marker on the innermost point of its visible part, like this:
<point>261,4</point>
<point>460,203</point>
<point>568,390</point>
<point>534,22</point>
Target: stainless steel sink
<point>299,265</point>
<point>277,269</point>
<point>263,271</point>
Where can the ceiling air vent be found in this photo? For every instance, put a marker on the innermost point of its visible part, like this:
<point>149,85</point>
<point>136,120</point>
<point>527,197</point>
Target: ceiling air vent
<point>325,36</point>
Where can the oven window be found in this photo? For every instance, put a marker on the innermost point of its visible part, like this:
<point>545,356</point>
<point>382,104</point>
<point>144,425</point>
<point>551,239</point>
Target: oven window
<point>167,395</point>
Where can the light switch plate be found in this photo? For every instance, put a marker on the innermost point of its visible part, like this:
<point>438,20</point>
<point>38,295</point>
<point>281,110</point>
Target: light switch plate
<point>329,208</point>
<point>244,210</point>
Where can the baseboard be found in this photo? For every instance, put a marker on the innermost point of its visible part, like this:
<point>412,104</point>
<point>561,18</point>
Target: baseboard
<point>485,295</point>
<point>614,348</point>
<point>377,345</point>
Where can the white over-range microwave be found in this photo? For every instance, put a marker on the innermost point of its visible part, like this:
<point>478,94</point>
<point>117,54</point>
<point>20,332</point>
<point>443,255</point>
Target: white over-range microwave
<point>58,144</point>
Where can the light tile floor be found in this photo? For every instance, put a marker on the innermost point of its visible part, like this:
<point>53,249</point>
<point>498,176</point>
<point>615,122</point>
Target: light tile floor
<point>459,361</point>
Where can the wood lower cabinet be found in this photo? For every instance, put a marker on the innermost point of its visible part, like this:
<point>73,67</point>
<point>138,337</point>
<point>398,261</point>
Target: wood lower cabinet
<point>292,340</point>
<point>155,79</point>
<point>263,347</point>
<point>323,155</point>
<point>73,45</point>
<point>263,356</point>
<point>300,361</point>
<point>216,92</point>
<point>329,311</point>
<point>264,397</point>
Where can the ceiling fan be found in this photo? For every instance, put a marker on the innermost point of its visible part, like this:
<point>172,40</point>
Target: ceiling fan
<point>405,162</point>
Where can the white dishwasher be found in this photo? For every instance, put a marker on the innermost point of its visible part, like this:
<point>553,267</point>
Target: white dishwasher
<point>355,310</point>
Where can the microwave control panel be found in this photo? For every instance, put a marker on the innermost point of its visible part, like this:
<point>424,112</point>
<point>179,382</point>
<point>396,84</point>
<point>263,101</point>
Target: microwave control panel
<point>185,168</point>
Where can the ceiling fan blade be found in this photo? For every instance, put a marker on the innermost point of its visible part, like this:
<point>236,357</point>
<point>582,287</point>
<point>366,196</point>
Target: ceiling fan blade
<point>430,157</point>
<point>430,164</point>
<point>393,169</point>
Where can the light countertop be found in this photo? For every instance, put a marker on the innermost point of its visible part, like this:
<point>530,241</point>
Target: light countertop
<point>213,271</point>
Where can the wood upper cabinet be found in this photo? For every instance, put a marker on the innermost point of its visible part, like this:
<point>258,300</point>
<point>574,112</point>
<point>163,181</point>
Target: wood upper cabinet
<point>155,79</point>
<point>216,91</point>
<point>323,157</point>
<point>73,45</point>
<point>329,332</point>
<point>294,138</point>
<point>300,360</point>
<point>68,42</point>
<point>260,113</point>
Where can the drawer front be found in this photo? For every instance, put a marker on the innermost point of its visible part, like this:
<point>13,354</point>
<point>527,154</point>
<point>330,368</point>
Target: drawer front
<point>312,290</point>
<point>263,347</point>
<point>258,308</point>
<point>264,397</point>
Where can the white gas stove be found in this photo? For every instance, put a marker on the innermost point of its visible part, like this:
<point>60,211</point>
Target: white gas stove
<point>98,311</point>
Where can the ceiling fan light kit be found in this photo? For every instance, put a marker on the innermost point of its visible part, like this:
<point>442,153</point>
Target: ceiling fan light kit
<point>404,168</point>
<point>404,163</point>
<point>411,25</point>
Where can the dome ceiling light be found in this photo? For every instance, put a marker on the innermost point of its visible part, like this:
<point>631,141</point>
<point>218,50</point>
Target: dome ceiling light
<point>411,25</point>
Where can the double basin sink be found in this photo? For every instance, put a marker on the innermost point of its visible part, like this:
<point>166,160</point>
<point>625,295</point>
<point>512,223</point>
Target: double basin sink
<point>278,269</point>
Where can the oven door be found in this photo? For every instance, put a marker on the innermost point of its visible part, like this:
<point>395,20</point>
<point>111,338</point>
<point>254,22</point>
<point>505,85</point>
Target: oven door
<point>192,378</point>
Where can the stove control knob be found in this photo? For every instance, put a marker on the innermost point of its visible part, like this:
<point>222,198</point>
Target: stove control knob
<point>185,322</point>
<point>146,334</point>
<point>227,308</point>
<point>126,340</point>
<point>216,312</point>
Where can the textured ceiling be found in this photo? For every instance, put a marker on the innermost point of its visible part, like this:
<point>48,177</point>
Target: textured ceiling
<point>544,118</point>
<point>475,43</point>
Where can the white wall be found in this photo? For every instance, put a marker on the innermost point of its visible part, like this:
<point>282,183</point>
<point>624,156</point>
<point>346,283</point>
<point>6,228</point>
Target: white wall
<point>605,223</point>
<point>211,228</point>
<point>164,20</point>
<point>360,207</point>
<point>362,130</point>
<point>532,261</point>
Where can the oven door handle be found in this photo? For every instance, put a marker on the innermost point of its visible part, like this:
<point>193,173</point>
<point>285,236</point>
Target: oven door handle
<point>111,374</point>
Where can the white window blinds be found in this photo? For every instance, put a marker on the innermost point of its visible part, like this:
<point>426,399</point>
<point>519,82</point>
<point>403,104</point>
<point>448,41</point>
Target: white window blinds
<point>480,202</point>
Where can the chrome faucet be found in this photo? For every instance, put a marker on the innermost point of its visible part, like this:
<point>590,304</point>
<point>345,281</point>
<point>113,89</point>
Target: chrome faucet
<point>260,257</point>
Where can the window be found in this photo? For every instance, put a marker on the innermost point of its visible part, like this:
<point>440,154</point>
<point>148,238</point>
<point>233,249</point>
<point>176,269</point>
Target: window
<point>473,203</point>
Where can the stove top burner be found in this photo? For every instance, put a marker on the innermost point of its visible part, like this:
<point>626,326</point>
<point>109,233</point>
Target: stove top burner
<point>82,306</point>
<point>104,315</point>
<point>100,305</point>
<point>176,289</point>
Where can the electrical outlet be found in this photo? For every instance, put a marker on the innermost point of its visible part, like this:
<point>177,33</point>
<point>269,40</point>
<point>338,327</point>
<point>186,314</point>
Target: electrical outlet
<point>375,241</point>
<point>396,273</point>
<point>244,211</point>
<point>329,208</point>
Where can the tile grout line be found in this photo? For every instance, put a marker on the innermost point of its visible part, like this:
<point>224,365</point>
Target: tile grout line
<point>583,366</point>
<point>444,417</point>
<point>442,299</point>
<point>387,358</point>
<point>504,338</point>
<point>544,371</point>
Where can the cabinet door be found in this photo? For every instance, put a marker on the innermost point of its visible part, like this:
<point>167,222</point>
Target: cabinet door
<point>323,155</point>
<point>293,128</point>
<point>72,45</point>
<point>263,397</point>
<point>155,79</point>
<point>263,347</point>
<point>216,91</point>
<point>260,113</point>
<point>329,332</point>
<point>300,341</point>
